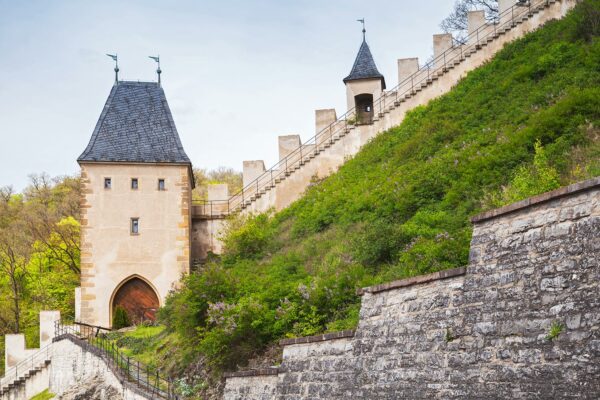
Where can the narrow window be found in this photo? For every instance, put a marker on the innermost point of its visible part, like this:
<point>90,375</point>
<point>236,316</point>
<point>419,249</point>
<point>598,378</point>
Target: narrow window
<point>135,226</point>
<point>134,183</point>
<point>161,184</point>
<point>107,183</point>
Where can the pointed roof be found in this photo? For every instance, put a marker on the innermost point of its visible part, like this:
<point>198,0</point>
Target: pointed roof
<point>135,125</point>
<point>364,66</point>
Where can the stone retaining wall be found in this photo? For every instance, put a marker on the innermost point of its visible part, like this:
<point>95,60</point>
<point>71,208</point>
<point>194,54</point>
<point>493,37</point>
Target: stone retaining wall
<point>479,332</point>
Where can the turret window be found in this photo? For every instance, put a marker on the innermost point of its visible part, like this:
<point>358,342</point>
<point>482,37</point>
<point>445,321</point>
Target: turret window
<point>161,184</point>
<point>134,183</point>
<point>107,183</point>
<point>135,226</point>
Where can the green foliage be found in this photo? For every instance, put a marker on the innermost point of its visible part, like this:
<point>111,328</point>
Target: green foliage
<point>527,121</point>
<point>246,236</point>
<point>529,180</point>
<point>45,395</point>
<point>555,329</point>
<point>120,318</point>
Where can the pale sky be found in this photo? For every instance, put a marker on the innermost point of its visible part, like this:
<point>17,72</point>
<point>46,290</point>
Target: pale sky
<point>237,74</point>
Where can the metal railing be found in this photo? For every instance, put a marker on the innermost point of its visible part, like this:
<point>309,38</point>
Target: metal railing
<point>424,76</point>
<point>149,379</point>
<point>30,363</point>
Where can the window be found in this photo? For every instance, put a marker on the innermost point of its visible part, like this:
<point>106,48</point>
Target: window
<point>134,183</point>
<point>107,183</point>
<point>135,226</point>
<point>161,184</point>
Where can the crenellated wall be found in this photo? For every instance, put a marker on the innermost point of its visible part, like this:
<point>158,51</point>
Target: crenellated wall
<point>281,194</point>
<point>475,332</point>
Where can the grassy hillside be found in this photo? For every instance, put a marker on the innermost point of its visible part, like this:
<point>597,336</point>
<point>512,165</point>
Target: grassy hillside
<point>524,123</point>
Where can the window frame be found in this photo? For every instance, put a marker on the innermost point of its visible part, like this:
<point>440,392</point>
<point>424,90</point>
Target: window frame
<point>164,184</point>
<point>137,183</point>
<point>135,220</point>
<point>109,180</point>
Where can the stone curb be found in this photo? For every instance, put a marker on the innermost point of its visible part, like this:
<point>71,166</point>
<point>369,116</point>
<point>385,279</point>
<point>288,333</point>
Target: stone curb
<point>444,274</point>
<point>541,198</point>
<point>252,372</point>
<point>318,338</point>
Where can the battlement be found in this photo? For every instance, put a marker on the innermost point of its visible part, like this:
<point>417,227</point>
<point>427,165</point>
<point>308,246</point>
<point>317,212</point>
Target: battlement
<point>338,139</point>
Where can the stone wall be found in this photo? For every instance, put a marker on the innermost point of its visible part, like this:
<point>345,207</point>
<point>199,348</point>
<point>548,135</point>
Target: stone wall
<point>73,365</point>
<point>477,332</point>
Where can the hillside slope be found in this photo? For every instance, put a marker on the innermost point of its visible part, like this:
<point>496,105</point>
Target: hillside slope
<point>524,123</point>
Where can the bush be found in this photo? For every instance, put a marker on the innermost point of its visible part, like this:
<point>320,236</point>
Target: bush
<point>120,318</point>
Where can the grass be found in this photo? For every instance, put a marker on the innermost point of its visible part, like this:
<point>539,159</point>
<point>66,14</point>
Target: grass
<point>45,395</point>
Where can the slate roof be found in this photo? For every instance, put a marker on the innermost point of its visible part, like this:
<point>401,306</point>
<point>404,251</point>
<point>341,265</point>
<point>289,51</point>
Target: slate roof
<point>136,125</point>
<point>364,66</point>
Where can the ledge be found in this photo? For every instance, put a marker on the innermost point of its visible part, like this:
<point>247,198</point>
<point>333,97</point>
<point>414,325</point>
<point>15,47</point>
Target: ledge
<point>541,198</point>
<point>252,372</point>
<point>444,274</point>
<point>318,338</point>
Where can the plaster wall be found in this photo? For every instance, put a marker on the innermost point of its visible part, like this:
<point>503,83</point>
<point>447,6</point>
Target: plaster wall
<point>362,86</point>
<point>72,365</point>
<point>110,254</point>
<point>252,169</point>
<point>218,191</point>
<point>287,144</point>
<point>441,43</point>
<point>407,67</point>
<point>205,237</point>
<point>323,118</point>
<point>475,19</point>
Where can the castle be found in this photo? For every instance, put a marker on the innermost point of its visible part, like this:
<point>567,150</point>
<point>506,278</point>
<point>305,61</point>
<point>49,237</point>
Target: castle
<point>140,229</point>
<point>136,218</point>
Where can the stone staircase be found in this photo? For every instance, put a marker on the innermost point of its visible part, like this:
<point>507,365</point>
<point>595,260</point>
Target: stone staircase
<point>19,374</point>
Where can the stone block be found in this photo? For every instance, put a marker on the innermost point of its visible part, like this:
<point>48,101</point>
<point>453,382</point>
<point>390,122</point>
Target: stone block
<point>441,43</point>
<point>406,67</point>
<point>48,321</point>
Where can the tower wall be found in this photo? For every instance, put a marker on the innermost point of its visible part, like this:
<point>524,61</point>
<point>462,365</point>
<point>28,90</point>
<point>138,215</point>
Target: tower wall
<point>110,253</point>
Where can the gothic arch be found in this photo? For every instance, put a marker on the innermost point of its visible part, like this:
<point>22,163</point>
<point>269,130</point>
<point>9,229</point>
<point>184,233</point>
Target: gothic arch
<point>139,298</point>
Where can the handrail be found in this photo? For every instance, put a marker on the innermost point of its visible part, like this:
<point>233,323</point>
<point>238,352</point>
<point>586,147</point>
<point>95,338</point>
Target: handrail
<point>429,71</point>
<point>24,366</point>
<point>147,378</point>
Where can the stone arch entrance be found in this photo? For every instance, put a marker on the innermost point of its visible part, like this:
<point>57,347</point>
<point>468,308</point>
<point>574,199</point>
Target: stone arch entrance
<point>364,108</point>
<point>138,298</point>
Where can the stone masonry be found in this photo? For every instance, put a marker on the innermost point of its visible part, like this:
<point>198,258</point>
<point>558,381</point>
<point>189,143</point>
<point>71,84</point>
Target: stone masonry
<point>477,332</point>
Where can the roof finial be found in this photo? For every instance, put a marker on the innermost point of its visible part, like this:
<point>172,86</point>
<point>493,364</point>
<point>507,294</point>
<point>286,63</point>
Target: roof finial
<point>158,70</point>
<point>116,60</point>
<point>364,31</point>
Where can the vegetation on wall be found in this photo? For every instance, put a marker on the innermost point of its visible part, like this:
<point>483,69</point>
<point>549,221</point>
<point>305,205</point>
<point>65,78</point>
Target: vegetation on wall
<point>522,124</point>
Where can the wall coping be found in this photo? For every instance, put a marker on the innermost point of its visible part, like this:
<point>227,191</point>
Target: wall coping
<point>541,198</point>
<point>318,338</point>
<point>415,280</point>
<point>252,372</point>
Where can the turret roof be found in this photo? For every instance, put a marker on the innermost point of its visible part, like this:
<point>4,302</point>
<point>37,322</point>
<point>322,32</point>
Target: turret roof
<point>364,66</point>
<point>135,125</point>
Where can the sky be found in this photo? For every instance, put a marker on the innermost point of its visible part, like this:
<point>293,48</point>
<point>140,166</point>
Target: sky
<point>236,74</point>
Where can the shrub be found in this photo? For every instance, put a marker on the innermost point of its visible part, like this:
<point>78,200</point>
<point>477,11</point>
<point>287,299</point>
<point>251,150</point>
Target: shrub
<point>120,318</point>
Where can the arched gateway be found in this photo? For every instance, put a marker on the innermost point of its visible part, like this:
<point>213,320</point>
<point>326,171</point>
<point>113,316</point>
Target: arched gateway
<point>138,298</point>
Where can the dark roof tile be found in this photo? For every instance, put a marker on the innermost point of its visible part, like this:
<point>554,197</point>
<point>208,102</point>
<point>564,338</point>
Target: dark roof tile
<point>364,66</point>
<point>135,125</point>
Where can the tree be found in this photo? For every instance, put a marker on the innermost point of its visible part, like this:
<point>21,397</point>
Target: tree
<point>456,22</point>
<point>227,175</point>
<point>15,249</point>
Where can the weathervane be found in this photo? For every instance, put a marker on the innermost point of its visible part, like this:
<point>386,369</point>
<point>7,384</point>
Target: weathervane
<point>158,70</point>
<point>362,21</point>
<point>115,59</point>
